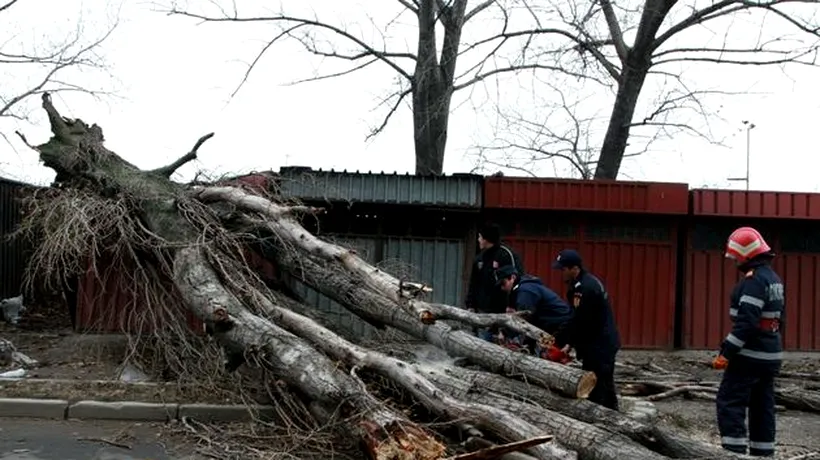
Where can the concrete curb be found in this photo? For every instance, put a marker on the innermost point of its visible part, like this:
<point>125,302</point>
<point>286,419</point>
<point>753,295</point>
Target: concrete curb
<point>58,409</point>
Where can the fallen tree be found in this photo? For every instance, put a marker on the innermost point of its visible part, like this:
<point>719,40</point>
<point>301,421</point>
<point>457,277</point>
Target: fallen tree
<point>176,244</point>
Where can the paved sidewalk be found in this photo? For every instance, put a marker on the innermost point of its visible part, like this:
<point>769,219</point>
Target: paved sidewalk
<point>28,439</point>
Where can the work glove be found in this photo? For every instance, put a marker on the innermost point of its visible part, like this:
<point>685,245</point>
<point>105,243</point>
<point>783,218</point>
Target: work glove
<point>556,355</point>
<point>720,362</point>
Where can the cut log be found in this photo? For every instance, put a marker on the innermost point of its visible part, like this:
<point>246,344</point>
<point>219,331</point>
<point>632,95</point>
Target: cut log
<point>798,399</point>
<point>653,437</point>
<point>373,295</point>
<point>502,423</point>
<point>77,154</point>
<point>591,442</point>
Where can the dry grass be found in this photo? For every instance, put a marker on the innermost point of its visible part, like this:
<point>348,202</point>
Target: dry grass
<point>77,232</point>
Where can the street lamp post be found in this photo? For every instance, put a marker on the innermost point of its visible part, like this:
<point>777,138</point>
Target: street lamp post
<point>749,127</point>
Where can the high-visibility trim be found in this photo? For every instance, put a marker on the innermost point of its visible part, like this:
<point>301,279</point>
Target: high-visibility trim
<point>761,355</point>
<point>751,300</point>
<point>761,445</point>
<point>730,441</point>
<point>731,338</point>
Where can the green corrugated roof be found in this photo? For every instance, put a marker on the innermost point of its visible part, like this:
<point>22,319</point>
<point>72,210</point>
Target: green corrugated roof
<point>457,190</point>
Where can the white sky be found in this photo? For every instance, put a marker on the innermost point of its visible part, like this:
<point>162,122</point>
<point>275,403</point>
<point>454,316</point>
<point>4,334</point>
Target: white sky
<point>173,80</point>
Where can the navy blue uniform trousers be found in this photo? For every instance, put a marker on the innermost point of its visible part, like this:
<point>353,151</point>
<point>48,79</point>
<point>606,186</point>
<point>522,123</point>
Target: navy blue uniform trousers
<point>747,384</point>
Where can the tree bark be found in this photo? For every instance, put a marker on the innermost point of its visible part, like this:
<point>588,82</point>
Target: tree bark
<point>76,153</point>
<point>653,437</point>
<point>374,295</point>
<point>591,442</point>
<point>636,66</point>
<point>484,415</point>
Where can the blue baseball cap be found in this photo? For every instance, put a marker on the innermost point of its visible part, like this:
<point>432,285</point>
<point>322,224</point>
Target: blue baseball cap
<point>505,272</point>
<point>567,258</point>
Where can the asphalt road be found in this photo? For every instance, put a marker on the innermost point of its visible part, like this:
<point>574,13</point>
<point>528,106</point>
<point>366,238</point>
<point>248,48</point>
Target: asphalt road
<point>24,439</point>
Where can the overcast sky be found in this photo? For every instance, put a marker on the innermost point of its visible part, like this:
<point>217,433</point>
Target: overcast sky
<point>173,81</point>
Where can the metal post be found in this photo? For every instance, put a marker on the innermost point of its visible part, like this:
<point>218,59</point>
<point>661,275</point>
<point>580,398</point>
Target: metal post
<point>749,127</point>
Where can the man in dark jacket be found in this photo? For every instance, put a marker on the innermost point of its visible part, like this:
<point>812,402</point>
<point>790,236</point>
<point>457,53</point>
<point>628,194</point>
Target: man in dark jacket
<point>592,331</point>
<point>539,305</point>
<point>484,295</point>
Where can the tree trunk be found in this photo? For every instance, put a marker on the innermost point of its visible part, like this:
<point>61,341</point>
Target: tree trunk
<point>500,422</point>
<point>376,296</point>
<point>653,437</point>
<point>431,114</point>
<point>77,155</point>
<point>591,442</point>
<point>620,121</point>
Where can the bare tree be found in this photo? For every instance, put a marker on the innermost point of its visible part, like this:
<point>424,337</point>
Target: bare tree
<point>658,39</point>
<point>427,76</point>
<point>32,70</point>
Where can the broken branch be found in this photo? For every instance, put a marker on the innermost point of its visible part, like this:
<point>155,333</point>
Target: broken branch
<point>168,170</point>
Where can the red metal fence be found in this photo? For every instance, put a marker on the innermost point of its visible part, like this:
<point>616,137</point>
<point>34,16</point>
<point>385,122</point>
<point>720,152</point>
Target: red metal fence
<point>632,248</point>
<point>710,277</point>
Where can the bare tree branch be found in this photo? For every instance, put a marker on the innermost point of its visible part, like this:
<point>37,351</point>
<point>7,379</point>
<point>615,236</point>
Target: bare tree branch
<point>7,5</point>
<point>168,170</point>
<point>46,68</point>
<point>383,56</point>
<point>614,30</point>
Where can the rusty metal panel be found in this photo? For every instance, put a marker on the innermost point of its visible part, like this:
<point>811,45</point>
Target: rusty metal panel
<point>710,278</point>
<point>12,252</point>
<point>737,203</point>
<point>639,276</point>
<point>437,263</point>
<point>457,190</point>
<point>104,304</point>
<point>801,275</point>
<point>579,195</point>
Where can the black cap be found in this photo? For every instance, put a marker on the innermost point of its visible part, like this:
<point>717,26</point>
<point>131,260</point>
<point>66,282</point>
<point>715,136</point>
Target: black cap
<point>566,259</point>
<point>491,233</point>
<point>505,272</point>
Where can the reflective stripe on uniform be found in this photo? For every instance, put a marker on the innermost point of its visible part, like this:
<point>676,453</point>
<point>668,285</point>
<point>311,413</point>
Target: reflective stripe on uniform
<point>731,338</point>
<point>751,300</point>
<point>762,355</point>
<point>770,314</point>
<point>733,312</point>
<point>728,441</point>
<point>761,445</point>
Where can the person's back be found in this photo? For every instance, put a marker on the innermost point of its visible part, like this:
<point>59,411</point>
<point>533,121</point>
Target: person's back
<point>597,333</point>
<point>548,311</point>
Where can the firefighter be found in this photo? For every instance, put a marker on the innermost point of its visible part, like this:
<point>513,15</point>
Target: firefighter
<point>752,353</point>
<point>484,295</point>
<point>592,332</point>
<point>539,305</point>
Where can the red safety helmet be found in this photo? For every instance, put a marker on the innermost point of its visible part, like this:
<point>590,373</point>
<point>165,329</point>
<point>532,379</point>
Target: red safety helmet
<point>744,244</point>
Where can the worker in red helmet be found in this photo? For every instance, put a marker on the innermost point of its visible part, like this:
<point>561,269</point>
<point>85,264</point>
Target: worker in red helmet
<point>752,353</point>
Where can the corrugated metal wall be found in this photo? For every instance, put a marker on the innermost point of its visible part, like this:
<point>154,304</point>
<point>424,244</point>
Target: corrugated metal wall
<point>437,262</point>
<point>754,204</point>
<point>12,253</point>
<point>455,191</point>
<point>710,278</point>
<point>104,304</point>
<point>639,276</point>
<point>580,195</point>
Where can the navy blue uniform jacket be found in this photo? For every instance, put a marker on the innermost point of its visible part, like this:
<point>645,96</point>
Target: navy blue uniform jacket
<point>592,331</point>
<point>483,294</point>
<point>547,310</point>
<point>757,311</point>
